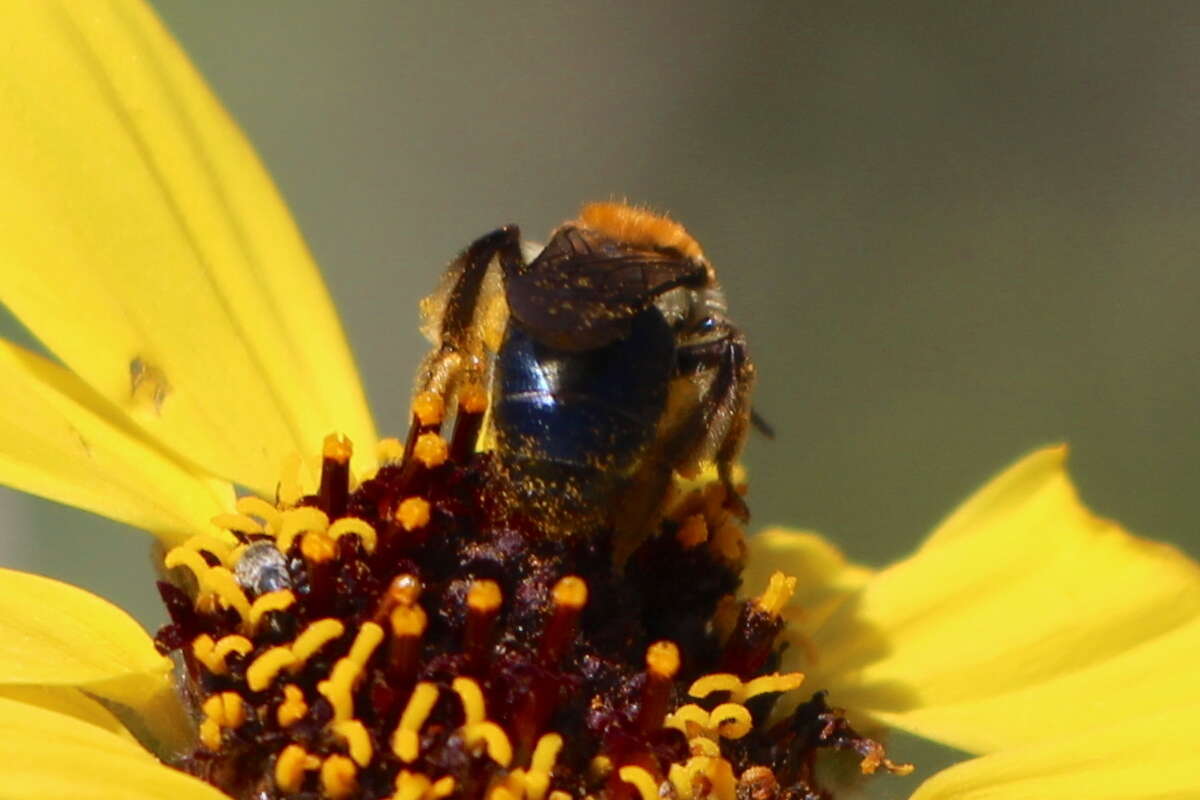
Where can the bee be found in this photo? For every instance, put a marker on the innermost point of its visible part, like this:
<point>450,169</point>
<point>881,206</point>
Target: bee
<point>611,359</point>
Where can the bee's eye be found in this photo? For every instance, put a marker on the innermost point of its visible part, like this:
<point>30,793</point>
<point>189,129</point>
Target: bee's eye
<point>706,325</point>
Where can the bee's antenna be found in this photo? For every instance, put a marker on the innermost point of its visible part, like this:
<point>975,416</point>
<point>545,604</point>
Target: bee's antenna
<point>761,425</point>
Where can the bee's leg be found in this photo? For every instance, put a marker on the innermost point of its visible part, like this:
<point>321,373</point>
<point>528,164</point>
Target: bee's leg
<point>459,349</point>
<point>718,426</point>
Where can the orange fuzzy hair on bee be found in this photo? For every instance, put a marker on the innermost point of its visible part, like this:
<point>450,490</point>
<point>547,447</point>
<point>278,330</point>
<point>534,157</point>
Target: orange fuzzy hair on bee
<point>639,227</point>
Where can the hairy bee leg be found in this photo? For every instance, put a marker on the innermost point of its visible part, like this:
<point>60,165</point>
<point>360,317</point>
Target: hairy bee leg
<point>727,396</point>
<point>458,351</point>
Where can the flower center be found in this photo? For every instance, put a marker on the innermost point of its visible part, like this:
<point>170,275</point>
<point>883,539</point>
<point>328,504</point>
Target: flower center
<point>418,637</point>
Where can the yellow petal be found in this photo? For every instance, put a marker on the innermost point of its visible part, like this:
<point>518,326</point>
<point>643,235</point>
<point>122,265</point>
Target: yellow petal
<point>58,439</point>
<point>145,245</point>
<point>48,754</point>
<point>1031,618</point>
<point>64,700</point>
<point>1147,756</point>
<point>56,635</point>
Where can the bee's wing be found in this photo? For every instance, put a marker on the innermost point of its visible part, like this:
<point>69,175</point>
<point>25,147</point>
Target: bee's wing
<point>582,290</point>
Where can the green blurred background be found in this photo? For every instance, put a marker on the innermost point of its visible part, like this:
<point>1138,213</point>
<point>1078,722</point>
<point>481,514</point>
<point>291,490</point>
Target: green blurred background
<point>953,231</point>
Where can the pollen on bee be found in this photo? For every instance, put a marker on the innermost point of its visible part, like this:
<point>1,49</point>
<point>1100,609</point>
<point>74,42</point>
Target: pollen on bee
<point>639,227</point>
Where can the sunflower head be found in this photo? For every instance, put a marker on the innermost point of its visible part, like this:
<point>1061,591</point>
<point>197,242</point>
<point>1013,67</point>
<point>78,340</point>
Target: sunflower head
<point>419,637</point>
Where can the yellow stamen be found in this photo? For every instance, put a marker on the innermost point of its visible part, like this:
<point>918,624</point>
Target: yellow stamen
<point>339,689</point>
<point>187,557</point>
<point>641,780</point>
<point>484,596</point>
<point>766,684</point>
<point>431,450</point>
<point>410,785</point>
<point>730,720</point>
<point>358,741</point>
<point>212,544</point>
<point>702,746</point>
<point>389,450</point>
<point>262,670</point>
<point>406,741</point>
<point>559,794</point>
<point>317,548</point>
<point>230,644</point>
<point>296,521</point>
<point>313,638</point>
<point>413,513</point>
<point>210,734</point>
<point>220,581</point>
<point>368,638</point>
<point>337,448</point>
<point>253,506</point>
<point>570,592</point>
<point>290,767</point>
<point>715,682</point>
<point>662,659</point>
<point>779,590</point>
<point>537,778</point>
<point>442,787</point>
<point>353,525</point>
<point>429,408</point>
<point>293,708</point>
<point>689,718</point>
<point>495,740</point>
<point>237,522</point>
<point>472,700</point>
<point>266,603</point>
<point>473,398</point>
<point>339,777</point>
<point>408,621</point>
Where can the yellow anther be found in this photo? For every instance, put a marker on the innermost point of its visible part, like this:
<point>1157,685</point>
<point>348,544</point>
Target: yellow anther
<point>599,768</point>
<point>368,638</point>
<point>537,778</point>
<point>296,521</point>
<point>641,780</point>
<point>715,682</point>
<point>689,718</point>
<point>262,670</point>
<point>187,557</point>
<point>210,734</point>
<point>559,794</point>
<point>339,777</point>
<point>293,708</point>
<point>502,792</point>
<point>431,450</point>
<point>253,506</point>
<point>472,700</point>
<point>764,684</point>
<point>237,522</point>
<point>662,659</point>
<point>212,544</point>
<point>359,527</point>
<point>290,766</point>
<point>202,650</point>
<point>442,787</point>
<point>277,600</point>
<point>389,450</point>
<point>779,590</point>
<point>406,741</point>
<point>413,513</point>
<point>570,592</point>
<point>693,531</point>
<point>495,740</point>
<point>408,621</point>
<point>317,548</point>
<point>411,785</point>
<point>473,398</point>
<point>220,581</point>
<point>484,596</point>
<point>337,448</point>
<point>339,688</point>
<point>703,746</point>
<point>226,709</point>
<point>730,720</point>
<point>313,638</point>
<point>231,644</point>
<point>681,780</point>
<point>358,741</point>
<point>429,408</point>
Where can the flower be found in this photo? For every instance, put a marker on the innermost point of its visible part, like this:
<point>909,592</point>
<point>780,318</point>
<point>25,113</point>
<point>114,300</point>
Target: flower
<point>146,248</point>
